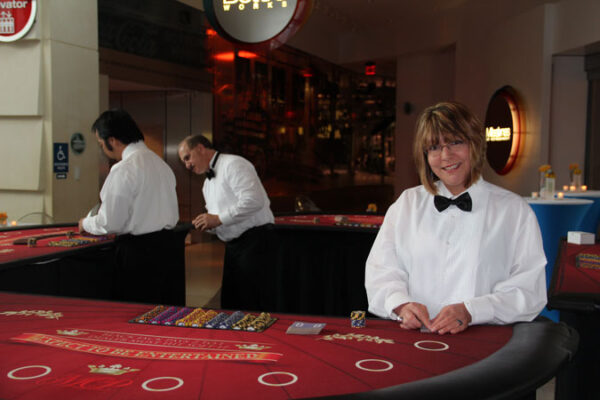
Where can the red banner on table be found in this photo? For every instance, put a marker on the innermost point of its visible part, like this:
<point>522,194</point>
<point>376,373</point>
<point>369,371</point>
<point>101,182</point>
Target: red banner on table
<point>75,345</point>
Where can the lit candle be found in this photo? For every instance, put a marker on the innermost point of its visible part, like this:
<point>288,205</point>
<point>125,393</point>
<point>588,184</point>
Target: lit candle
<point>13,223</point>
<point>565,188</point>
<point>535,195</point>
<point>560,195</point>
<point>583,188</point>
<point>573,188</point>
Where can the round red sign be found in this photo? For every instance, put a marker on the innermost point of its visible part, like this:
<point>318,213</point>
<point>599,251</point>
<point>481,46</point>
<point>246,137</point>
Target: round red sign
<point>16,18</point>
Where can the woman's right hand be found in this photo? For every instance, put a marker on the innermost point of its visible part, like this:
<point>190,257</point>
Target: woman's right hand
<point>414,316</point>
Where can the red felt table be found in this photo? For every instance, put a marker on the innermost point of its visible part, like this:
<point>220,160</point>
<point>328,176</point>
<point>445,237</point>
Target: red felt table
<point>575,291</point>
<point>85,270</point>
<point>336,221</point>
<point>21,253</point>
<point>320,254</point>
<point>573,287</point>
<point>59,348</point>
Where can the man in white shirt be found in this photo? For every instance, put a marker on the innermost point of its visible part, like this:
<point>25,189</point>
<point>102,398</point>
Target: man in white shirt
<point>237,212</point>
<point>138,204</point>
<point>457,250</point>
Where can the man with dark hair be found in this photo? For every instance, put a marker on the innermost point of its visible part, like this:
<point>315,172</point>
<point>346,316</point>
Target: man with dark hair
<point>237,212</point>
<point>138,204</point>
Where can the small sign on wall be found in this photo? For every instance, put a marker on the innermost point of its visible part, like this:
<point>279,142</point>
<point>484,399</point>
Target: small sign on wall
<point>77,143</point>
<point>61,158</point>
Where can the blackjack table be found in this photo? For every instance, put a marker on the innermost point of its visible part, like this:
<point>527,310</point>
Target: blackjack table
<point>323,255</point>
<point>66,348</point>
<point>575,291</point>
<point>57,260</point>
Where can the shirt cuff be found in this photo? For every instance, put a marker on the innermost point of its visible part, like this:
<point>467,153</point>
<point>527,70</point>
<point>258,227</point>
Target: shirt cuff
<point>481,310</point>
<point>226,218</point>
<point>86,224</point>
<point>395,300</point>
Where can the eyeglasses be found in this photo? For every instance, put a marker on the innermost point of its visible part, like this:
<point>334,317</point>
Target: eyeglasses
<point>435,150</point>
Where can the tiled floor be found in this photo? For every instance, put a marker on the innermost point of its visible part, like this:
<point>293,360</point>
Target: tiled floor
<point>203,274</point>
<point>204,271</point>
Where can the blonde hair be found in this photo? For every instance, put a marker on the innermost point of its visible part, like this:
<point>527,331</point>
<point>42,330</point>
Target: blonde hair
<point>452,121</point>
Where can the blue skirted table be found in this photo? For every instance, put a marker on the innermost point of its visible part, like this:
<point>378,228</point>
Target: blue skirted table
<point>591,220</point>
<point>557,217</point>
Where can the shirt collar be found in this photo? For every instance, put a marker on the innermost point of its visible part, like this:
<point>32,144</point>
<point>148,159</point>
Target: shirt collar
<point>210,163</point>
<point>473,190</point>
<point>132,148</point>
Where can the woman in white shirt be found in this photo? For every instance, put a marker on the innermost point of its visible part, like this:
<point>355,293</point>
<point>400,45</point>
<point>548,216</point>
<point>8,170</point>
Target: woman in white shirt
<point>456,250</point>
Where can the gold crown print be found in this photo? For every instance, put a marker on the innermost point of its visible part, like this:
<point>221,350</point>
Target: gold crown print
<point>116,369</point>
<point>252,346</point>
<point>72,332</point>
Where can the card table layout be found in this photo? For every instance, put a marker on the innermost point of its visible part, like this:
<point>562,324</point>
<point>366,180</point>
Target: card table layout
<point>12,254</point>
<point>556,218</point>
<point>575,291</point>
<point>53,266</point>
<point>81,271</point>
<point>317,263</point>
<point>65,348</point>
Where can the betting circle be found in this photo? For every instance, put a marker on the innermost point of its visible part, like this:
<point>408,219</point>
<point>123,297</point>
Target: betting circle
<point>12,376</point>
<point>359,366</point>
<point>419,345</point>
<point>149,389</point>
<point>261,378</point>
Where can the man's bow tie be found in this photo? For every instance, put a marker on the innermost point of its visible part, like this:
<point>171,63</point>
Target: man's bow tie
<point>463,202</point>
<point>210,173</point>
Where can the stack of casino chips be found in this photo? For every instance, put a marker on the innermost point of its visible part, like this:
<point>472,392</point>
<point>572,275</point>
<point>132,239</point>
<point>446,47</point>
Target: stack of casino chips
<point>200,318</point>
<point>216,321</point>
<point>357,319</point>
<point>144,318</point>
<point>160,318</point>
<point>187,320</point>
<point>260,323</point>
<point>182,312</point>
<point>591,261</point>
<point>71,242</point>
<point>244,323</point>
<point>203,318</point>
<point>231,320</point>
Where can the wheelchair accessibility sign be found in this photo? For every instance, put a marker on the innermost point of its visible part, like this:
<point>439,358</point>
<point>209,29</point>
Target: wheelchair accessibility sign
<point>61,158</point>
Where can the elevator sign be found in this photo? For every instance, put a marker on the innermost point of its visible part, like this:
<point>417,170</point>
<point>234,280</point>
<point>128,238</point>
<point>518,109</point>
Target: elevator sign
<point>16,18</point>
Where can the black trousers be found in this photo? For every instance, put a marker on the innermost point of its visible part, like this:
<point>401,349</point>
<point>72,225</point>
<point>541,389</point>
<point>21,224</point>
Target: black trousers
<point>242,287</point>
<point>150,268</point>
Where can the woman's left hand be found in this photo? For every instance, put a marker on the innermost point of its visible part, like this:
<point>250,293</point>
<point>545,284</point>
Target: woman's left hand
<point>451,319</point>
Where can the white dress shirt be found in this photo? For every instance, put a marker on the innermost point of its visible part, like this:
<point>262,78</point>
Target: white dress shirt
<point>237,196</point>
<point>491,258</point>
<point>138,195</point>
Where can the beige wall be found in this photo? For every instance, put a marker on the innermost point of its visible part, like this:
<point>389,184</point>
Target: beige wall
<point>521,43</point>
<point>51,76</point>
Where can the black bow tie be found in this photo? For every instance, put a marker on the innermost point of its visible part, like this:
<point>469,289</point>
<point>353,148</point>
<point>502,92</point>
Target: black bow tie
<point>210,173</point>
<point>463,202</point>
